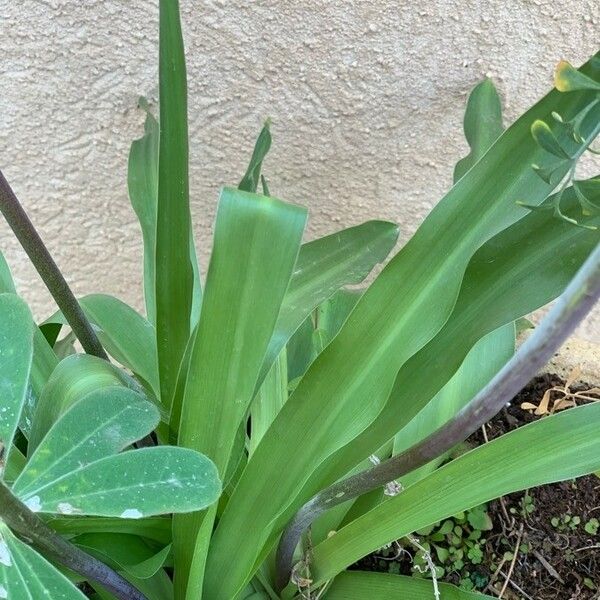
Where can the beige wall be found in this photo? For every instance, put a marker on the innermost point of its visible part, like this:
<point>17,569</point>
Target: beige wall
<point>366,99</point>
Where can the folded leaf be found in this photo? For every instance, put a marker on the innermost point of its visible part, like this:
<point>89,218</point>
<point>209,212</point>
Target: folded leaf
<point>143,193</point>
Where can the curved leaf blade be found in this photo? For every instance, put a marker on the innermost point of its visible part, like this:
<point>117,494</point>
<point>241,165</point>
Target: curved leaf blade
<point>72,379</point>
<point>516,272</point>
<point>560,447</point>
<point>125,334</point>
<point>482,124</point>
<point>16,355</point>
<point>25,574</point>
<point>101,424</point>
<point>358,585</point>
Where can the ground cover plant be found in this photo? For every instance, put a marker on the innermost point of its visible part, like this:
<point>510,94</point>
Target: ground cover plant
<point>261,429</point>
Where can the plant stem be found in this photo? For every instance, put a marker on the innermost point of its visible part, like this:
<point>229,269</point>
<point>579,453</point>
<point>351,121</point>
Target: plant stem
<point>33,245</point>
<point>33,530</point>
<point>577,300</point>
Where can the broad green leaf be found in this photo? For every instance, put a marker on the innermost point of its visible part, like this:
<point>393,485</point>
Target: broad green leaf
<point>245,287</point>
<point>143,194</point>
<point>174,272</point>
<point>125,334</point>
<point>482,124</point>
<point>398,315</point>
<point>517,271</point>
<point>73,378</point>
<point>102,423</point>
<point>324,266</point>
<point>568,79</point>
<point>249,182</point>
<point>560,447</point>
<point>7,285</point>
<point>484,360</point>
<point>132,485</point>
<point>16,354</point>
<point>358,585</point>
<point>25,574</point>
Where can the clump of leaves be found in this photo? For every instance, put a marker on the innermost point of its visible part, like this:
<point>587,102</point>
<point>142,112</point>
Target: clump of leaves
<point>273,377</point>
<point>457,544</point>
<point>566,522</point>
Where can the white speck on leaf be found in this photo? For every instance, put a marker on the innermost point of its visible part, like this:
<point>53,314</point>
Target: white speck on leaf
<point>3,592</point>
<point>131,513</point>
<point>34,504</point>
<point>64,508</point>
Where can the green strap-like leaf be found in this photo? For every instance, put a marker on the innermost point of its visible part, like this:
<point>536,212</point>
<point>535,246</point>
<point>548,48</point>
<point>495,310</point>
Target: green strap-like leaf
<point>556,448</point>
<point>143,194</point>
<point>268,401</point>
<point>16,353</point>
<point>400,313</point>
<point>7,285</point>
<point>358,585</point>
<point>245,287</point>
<point>125,334</point>
<point>325,265</point>
<point>131,485</point>
<point>142,179</point>
<point>74,377</point>
<point>24,574</point>
<point>101,424</point>
<point>174,270</point>
<point>482,124</point>
<point>249,182</point>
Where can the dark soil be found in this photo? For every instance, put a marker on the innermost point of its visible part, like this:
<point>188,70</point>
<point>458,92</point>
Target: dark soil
<point>556,560</point>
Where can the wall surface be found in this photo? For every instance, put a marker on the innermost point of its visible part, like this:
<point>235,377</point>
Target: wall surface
<point>366,98</point>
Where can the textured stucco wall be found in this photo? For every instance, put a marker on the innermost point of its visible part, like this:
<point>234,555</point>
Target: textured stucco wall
<point>366,99</point>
